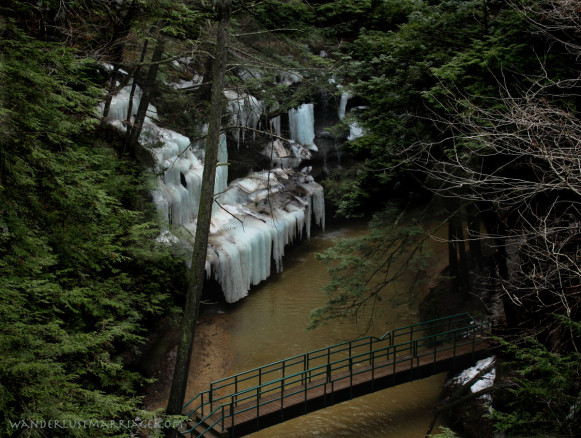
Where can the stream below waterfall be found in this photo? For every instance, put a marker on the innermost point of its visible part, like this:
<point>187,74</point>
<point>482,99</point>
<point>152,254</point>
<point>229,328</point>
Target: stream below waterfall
<point>270,324</point>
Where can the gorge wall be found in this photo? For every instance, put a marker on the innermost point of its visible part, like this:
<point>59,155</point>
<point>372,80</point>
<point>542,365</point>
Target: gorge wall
<point>254,217</point>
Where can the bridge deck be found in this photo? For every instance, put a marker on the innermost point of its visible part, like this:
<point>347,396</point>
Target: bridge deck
<point>318,394</point>
<point>273,393</point>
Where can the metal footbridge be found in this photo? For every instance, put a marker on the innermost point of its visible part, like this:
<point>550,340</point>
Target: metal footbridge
<point>253,400</point>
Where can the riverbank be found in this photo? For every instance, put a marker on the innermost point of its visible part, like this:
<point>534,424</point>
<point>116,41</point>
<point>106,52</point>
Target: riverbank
<point>211,360</point>
<point>271,324</point>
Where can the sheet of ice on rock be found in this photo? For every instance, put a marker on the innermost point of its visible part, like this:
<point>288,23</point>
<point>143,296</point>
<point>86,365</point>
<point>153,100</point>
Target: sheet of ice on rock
<point>260,215</point>
<point>253,218</point>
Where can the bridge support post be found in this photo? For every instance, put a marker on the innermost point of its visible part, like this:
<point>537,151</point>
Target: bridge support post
<point>372,372</point>
<point>232,417</point>
<point>210,397</point>
<point>350,373</point>
<point>236,388</point>
<point>454,355</point>
<point>258,408</point>
<point>325,395</point>
<point>282,400</point>
<point>435,351</point>
<point>394,363</point>
<point>306,395</point>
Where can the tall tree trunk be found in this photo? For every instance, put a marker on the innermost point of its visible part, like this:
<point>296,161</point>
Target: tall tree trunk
<point>137,71</point>
<point>474,239</point>
<point>463,272</point>
<point>148,88</point>
<point>117,45</point>
<point>499,266</point>
<point>453,254</point>
<point>197,270</point>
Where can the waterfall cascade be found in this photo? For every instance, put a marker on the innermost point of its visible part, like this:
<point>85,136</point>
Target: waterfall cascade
<point>302,125</point>
<point>355,129</point>
<point>253,218</point>
<point>245,111</point>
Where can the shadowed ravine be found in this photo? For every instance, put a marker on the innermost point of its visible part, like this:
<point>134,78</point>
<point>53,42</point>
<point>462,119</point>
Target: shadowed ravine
<point>271,324</point>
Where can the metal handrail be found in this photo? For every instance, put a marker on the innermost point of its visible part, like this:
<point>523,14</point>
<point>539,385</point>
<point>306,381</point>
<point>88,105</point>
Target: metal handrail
<point>331,350</point>
<point>416,347</point>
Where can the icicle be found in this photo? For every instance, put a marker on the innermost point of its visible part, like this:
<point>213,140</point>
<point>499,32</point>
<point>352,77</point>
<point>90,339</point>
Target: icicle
<point>355,131</point>
<point>120,105</point>
<point>302,125</point>
<point>221,182</point>
<point>345,96</point>
<point>261,213</point>
<point>245,112</point>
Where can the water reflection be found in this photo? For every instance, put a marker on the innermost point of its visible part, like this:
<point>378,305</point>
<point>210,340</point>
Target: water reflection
<point>271,324</point>
<point>400,412</point>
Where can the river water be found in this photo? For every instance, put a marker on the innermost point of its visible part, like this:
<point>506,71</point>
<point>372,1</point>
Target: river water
<point>270,324</point>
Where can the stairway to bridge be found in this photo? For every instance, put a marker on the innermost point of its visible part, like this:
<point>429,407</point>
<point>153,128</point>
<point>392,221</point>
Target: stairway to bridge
<point>253,400</point>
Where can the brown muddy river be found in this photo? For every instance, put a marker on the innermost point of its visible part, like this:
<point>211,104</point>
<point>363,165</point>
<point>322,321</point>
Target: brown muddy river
<point>270,324</point>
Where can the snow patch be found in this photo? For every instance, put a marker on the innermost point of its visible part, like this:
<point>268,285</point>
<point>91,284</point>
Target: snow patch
<point>195,81</point>
<point>486,381</point>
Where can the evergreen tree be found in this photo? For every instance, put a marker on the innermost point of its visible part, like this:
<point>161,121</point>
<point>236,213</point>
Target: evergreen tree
<point>79,276</point>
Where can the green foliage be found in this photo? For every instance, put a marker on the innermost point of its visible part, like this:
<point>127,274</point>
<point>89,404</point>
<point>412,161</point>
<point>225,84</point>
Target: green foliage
<point>475,71</point>
<point>181,20</point>
<point>545,394</point>
<point>367,269</point>
<point>78,278</point>
<point>345,18</point>
<point>277,14</point>
<point>445,432</point>
<point>402,74</point>
<point>344,187</point>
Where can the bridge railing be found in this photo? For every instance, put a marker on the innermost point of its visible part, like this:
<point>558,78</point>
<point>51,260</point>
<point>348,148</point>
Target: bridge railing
<point>327,366</point>
<point>224,388</point>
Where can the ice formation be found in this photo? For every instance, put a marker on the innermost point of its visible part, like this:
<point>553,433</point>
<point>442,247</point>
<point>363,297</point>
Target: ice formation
<point>194,82</point>
<point>286,155</point>
<point>355,129</point>
<point>120,105</point>
<point>260,215</point>
<point>486,381</point>
<point>302,125</point>
<point>245,111</point>
<point>288,78</point>
<point>245,114</point>
<point>253,219</point>
<point>345,96</point>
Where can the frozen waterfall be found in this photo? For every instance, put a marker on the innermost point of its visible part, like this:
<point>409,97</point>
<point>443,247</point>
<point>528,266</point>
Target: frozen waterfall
<point>302,125</point>
<point>258,215</point>
<point>345,96</point>
<point>245,111</point>
<point>261,214</point>
<point>355,129</point>
<point>120,105</point>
